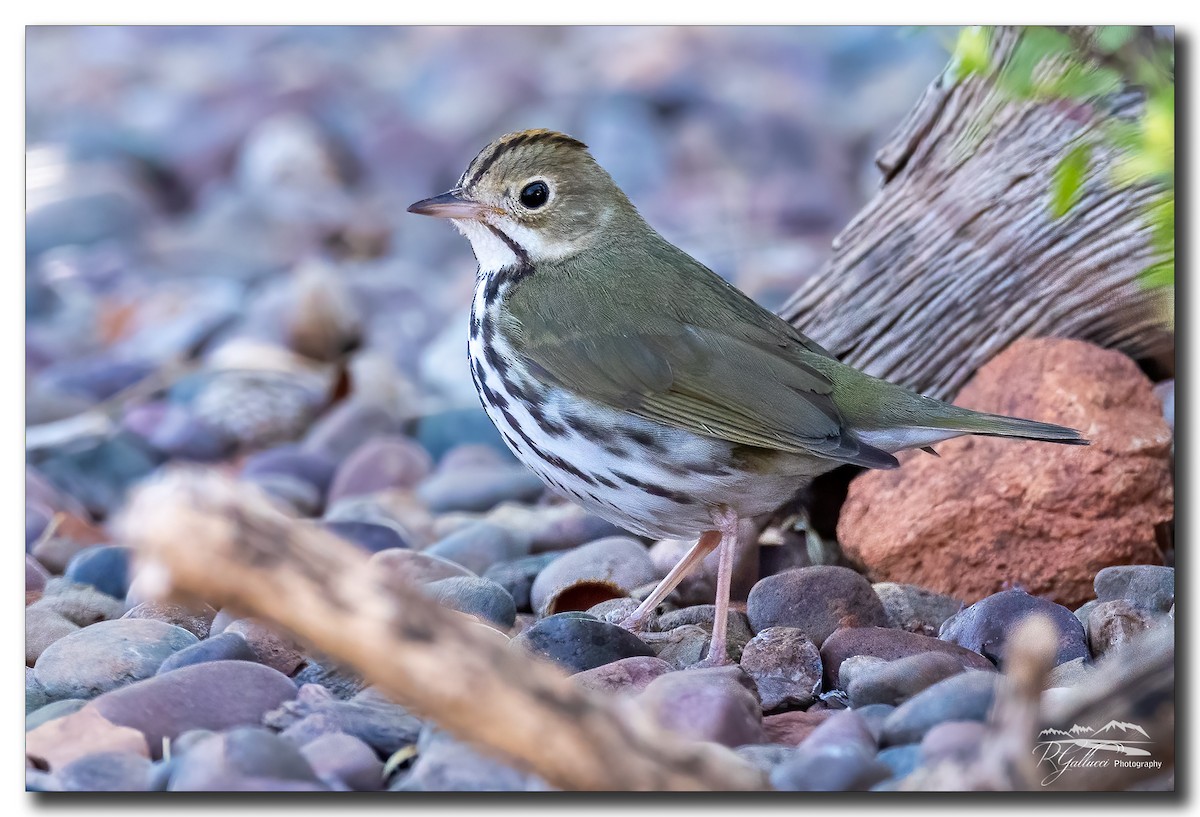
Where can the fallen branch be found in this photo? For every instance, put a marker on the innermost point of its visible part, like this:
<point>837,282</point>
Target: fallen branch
<point>208,536</point>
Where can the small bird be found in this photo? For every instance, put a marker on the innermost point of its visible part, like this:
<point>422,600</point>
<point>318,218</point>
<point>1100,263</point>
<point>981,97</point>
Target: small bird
<point>639,383</point>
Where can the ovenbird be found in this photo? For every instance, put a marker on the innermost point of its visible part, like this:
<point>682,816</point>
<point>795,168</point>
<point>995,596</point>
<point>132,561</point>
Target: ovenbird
<point>639,383</point>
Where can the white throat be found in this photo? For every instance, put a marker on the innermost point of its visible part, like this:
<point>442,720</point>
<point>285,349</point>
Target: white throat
<point>490,250</point>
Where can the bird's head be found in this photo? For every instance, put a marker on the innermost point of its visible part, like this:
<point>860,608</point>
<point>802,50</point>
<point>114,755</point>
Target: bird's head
<point>531,196</point>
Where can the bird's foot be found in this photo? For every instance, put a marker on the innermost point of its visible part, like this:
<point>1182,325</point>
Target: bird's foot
<point>709,661</point>
<point>636,622</point>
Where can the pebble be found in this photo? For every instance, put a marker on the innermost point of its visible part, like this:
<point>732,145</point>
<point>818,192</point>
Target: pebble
<point>953,740</point>
<point>37,519</point>
<point>888,644</point>
<point>296,496</point>
<point>576,643</point>
<point>873,716</point>
<point>516,576</point>
<point>372,537</point>
<point>220,647</point>
<point>446,764</point>
<point>902,760</point>
<point>99,472</point>
<point>1084,611</point>
<point>967,696</point>
<point>737,627</point>
<point>36,576</point>
<point>107,655</point>
<point>249,753</point>
<point>1148,586</point>
<point>342,683</point>
<point>681,647</point>
<point>279,652</point>
<point>475,596</point>
<point>219,695</point>
<point>43,627</point>
<point>854,665</point>
<point>822,771</point>
<point>50,711</point>
<point>791,728</point>
<point>765,756</point>
<point>1165,391</point>
<point>838,755</point>
<point>985,625</point>
<point>312,467</point>
<point>626,676</point>
<point>414,567</point>
<point>479,546</point>
<point>441,432</point>
<point>80,604</point>
<point>479,489</point>
<point>57,552</point>
<point>817,600</point>
<point>1112,623</point>
<point>552,527</point>
<point>715,704</point>
<point>61,740</point>
<point>106,771</point>
<point>381,464</point>
<point>915,609</point>
<point>383,725</point>
<point>615,611</point>
<point>96,377</point>
<point>346,427</point>
<point>344,761</point>
<point>894,682</point>
<point>182,435</point>
<point>607,568</point>
<point>785,666</point>
<point>1070,673</point>
<point>195,618</point>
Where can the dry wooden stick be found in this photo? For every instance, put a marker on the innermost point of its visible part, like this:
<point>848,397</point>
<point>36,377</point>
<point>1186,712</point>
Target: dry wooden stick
<point>206,535</point>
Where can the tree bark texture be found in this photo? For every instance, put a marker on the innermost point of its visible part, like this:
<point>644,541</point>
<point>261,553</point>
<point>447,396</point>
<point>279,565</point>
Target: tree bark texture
<point>959,254</point>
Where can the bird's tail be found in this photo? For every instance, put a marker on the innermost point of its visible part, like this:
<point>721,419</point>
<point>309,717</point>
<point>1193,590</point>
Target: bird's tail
<point>999,425</point>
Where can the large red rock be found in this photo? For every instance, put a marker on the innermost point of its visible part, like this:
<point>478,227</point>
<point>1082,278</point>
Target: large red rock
<point>992,513</point>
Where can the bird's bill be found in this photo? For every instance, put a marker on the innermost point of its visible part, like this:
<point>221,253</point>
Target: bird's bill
<point>451,205</point>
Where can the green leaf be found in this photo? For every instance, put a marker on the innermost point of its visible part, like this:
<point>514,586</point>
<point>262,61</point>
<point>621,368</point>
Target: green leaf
<point>1111,38</point>
<point>971,52</point>
<point>1066,184</point>
<point>1083,82</point>
<point>1159,275</point>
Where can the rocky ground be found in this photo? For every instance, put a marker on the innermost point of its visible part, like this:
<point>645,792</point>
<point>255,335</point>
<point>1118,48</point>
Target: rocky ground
<point>218,273</point>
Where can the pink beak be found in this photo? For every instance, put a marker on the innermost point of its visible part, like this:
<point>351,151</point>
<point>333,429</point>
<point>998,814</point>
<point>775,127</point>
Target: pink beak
<point>450,205</point>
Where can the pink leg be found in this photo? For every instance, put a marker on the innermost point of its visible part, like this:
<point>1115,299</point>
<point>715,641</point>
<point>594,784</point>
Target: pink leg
<point>693,557</point>
<point>727,524</point>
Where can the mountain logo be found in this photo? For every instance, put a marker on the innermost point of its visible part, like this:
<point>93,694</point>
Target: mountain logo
<point>1116,744</point>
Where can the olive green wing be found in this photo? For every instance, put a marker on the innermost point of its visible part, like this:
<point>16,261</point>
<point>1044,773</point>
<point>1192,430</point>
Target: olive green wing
<point>703,380</point>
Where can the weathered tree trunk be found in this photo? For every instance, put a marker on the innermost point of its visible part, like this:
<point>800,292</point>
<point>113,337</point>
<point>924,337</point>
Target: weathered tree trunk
<point>958,255</point>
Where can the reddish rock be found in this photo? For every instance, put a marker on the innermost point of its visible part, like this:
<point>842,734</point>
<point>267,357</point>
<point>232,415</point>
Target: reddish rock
<point>57,742</point>
<point>791,728</point>
<point>991,513</point>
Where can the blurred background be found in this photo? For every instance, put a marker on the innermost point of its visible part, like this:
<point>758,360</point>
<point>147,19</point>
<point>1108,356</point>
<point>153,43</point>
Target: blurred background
<point>234,198</point>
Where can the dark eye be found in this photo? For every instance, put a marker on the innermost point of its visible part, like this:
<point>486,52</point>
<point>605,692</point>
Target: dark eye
<point>534,195</point>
